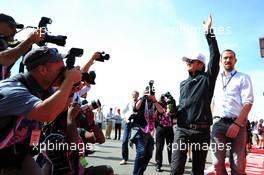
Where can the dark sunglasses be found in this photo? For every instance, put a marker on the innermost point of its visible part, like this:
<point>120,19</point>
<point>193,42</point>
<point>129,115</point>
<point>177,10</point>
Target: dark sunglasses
<point>191,61</point>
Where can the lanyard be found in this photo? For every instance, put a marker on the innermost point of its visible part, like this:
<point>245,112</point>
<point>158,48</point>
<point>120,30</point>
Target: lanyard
<point>225,85</point>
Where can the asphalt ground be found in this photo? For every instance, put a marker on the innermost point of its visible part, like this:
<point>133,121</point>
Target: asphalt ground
<point>109,153</point>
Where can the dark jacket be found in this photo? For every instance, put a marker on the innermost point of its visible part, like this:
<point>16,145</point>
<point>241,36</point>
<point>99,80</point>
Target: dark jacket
<point>196,92</point>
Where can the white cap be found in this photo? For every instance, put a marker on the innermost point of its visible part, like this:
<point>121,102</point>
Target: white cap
<point>197,56</point>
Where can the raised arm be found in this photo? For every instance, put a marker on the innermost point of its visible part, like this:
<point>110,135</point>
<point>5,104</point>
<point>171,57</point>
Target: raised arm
<point>87,66</point>
<point>213,65</point>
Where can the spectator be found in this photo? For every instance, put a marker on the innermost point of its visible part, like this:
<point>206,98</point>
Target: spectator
<point>261,134</point>
<point>233,99</point>
<point>118,123</point>
<point>99,117</point>
<point>129,111</point>
<point>255,132</point>
<point>109,123</point>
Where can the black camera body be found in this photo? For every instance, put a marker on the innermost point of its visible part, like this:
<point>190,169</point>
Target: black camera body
<point>90,76</point>
<point>73,52</point>
<point>151,87</point>
<point>103,57</point>
<point>59,40</point>
<point>93,105</point>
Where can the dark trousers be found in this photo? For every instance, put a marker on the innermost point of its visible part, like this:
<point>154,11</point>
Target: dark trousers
<point>199,141</point>
<point>162,134</point>
<point>126,136</point>
<point>144,148</point>
<point>117,129</point>
<point>100,125</point>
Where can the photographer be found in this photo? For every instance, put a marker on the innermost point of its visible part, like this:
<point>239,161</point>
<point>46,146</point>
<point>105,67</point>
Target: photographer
<point>66,129</point>
<point>26,100</point>
<point>164,130</point>
<point>143,124</point>
<point>89,131</point>
<point>9,56</point>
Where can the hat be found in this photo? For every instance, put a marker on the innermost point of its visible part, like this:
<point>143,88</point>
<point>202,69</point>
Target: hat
<point>92,77</point>
<point>41,56</point>
<point>89,77</point>
<point>197,56</point>
<point>9,20</point>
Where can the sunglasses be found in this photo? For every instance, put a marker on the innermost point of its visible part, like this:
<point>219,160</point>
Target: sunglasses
<point>191,61</point>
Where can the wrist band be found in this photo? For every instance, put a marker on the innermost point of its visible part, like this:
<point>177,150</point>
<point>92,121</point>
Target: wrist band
<point>237,124</point>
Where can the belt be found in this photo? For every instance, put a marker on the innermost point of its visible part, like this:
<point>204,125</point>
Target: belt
<point>225,119</point>
<point>195,126</point>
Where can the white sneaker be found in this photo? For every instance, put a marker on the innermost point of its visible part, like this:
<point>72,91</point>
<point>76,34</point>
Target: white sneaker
<point>123,162</point>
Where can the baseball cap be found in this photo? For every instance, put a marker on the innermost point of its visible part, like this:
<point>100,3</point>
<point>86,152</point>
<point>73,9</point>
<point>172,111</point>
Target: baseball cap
<point>41,56</point>
<point>89,77</point>
<point>197,56</point>
<point>9,20</point>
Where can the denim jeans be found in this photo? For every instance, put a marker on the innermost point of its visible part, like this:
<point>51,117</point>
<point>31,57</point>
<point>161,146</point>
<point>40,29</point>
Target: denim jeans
<point>200,143</point>
<point>144,148</point>
<point>221,144</point>
<point>126,136</point>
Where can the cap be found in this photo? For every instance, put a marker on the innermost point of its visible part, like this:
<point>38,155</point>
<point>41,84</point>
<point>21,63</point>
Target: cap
<point>197,56</point>
<point>9,20</point>
<point>41,56</point>
<point>92,77</point>
<point>89,77</point>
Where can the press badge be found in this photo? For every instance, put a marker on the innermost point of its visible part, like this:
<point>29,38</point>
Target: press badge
<point>35,136</point>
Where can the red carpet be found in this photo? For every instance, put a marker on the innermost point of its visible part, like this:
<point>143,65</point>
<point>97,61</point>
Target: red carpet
<point>255,163</point>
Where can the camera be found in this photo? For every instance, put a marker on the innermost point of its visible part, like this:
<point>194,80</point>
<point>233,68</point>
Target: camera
<point>93,105</point>
<point>59,40</point>
<point>73,52</point>
<point>103,57</point>
<point>151,87</point>
<point>170,101</point>
<point>88,77</point>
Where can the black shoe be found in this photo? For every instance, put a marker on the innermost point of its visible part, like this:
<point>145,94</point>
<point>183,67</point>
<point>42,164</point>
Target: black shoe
<point>158,169</point>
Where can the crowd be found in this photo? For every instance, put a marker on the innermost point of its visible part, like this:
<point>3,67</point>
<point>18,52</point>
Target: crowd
<point>51,109</point>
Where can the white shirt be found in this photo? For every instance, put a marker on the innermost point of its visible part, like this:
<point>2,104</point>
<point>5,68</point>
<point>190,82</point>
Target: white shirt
<point>129,109</point>
<point>99,117</point>
<point>231,93</point>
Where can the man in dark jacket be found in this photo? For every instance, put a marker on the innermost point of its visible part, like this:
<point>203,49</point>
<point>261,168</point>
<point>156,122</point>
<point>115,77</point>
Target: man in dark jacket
<point>194,115</point>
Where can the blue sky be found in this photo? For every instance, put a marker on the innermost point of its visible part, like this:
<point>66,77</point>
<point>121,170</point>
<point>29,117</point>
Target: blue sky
<point>147,38</point>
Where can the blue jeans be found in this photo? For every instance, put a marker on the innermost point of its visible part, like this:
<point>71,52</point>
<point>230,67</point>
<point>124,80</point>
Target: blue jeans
<point>144,148</point>
<point>126,136</point>
<point>221,144</point>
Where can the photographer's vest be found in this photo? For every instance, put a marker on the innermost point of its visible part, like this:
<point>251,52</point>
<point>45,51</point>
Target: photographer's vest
<point>149,114</point>
<point>14,141</point>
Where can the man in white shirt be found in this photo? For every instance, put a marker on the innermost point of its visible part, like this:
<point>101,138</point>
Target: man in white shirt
<point>232,101</point>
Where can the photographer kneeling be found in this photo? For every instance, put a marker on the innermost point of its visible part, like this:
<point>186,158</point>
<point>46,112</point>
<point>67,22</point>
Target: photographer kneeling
<point>7,32</point>
<point>26,100</point>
